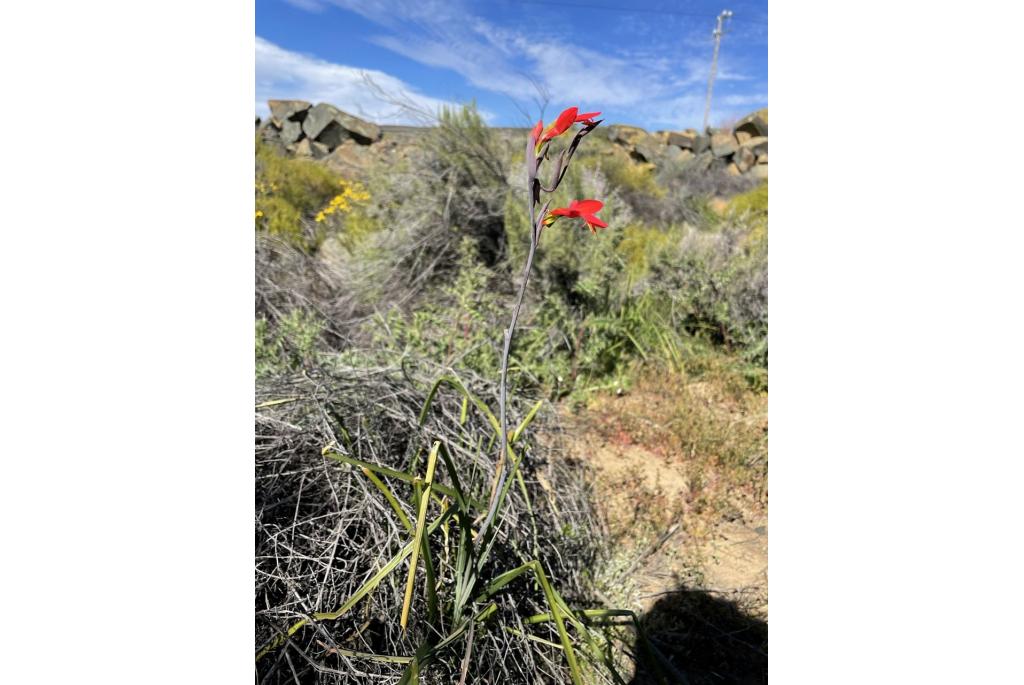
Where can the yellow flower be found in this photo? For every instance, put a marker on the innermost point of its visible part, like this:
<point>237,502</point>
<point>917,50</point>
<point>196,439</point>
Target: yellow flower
<point>259,213</point>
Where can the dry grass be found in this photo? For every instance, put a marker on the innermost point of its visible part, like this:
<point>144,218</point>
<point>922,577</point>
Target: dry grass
<point>323,528</point>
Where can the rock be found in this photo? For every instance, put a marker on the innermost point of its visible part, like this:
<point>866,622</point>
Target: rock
<point>661,136</point>
<point>319,150</point>
<point>689,140</point>
<point>723,144</point>
<point>645,151</point>
<point>626,135</point>
<point>742,136</point>
<point>732,169</point>
<point>291,131</point>
<point>324,121</point>
<point>685,140</point>
<point>318,119</point>
<point>756,123</point>
<point>283,110</point>
<point>763,158</point>
<point>333,135</point>
<point>756,144</point>
<point>677,155</point>
<point>268,124</point>
<point>268,131</point>
<point>311,148</point>
<point>702,162</point>
<point>349,159</point>
<point>744,159</point>
<point>759,171</point>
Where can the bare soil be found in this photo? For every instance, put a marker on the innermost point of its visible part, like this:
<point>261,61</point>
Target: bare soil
<point>678,469</point>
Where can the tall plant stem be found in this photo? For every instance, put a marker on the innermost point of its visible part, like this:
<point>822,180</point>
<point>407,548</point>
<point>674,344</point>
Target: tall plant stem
<point>500,474</point>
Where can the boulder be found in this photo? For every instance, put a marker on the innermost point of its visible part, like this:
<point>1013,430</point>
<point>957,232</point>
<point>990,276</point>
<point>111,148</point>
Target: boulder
<point>723,144</point>
<point>283,110</point>
<point>759,171</point>
<point>702,162</point>
<point>291,131</point>
<point>763,158</point>
<point>268,131</point>
<point>626,135</point>
<point>732,169</point>
<point>744,159</point>
<point>756,123</point>
<point>324,121</point>
<point>688,140</point>
<point>756,144</point>
<point>742,136</point>
<point>678,155</point>
<point>700,143</point>
<point>333,135</point>
<point>349,159</point>
<point>646,151</point>
<point>311,148</point>
<point>319,150</point>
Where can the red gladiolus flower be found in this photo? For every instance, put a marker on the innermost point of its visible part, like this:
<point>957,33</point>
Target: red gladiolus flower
<point>561,125</point>
<point>579,209</point>
<point>535,133</point>
<point>586,119</point>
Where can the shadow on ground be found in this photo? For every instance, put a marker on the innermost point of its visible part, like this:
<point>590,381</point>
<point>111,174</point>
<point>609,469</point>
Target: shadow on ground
<point>704,639</point>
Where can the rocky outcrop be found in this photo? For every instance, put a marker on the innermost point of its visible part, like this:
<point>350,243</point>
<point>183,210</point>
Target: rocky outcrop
<point>349,144</point>
<point>742,150</point>
<point>314,131</point>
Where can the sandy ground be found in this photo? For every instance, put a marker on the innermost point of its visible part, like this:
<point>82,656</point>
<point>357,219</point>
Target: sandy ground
<point>679,520</point>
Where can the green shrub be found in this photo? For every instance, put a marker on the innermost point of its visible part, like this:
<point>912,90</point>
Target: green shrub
<point>289,193</point>
<point>442,240</point>
<point>456,328</point>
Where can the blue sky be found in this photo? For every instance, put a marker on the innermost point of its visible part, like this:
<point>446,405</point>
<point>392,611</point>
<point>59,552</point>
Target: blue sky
<point>641,62</point>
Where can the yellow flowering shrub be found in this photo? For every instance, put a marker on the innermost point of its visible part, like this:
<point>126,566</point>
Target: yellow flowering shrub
<point>352,194</point>
<point>288,193</point>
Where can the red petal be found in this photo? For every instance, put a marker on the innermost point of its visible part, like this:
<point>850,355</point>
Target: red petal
<point>587,206</point>
<point>561,211</point>
<point>594,221</point>
<point>566,119</point>
<point>585,117</point>
<point>535,133</point>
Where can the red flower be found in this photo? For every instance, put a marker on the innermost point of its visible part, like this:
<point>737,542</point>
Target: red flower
<point>586,119</point>
<point>561,125</point>
<point>535,133</point>
<point>579,209</point>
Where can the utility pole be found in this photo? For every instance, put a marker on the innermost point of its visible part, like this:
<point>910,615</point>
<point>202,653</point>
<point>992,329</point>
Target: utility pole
<point>714,64</point>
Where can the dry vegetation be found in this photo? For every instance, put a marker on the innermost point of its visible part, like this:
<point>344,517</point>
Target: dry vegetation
<point>646,460</point>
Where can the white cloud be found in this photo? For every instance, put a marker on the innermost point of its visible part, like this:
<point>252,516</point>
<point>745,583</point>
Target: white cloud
<point>282,74</point>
